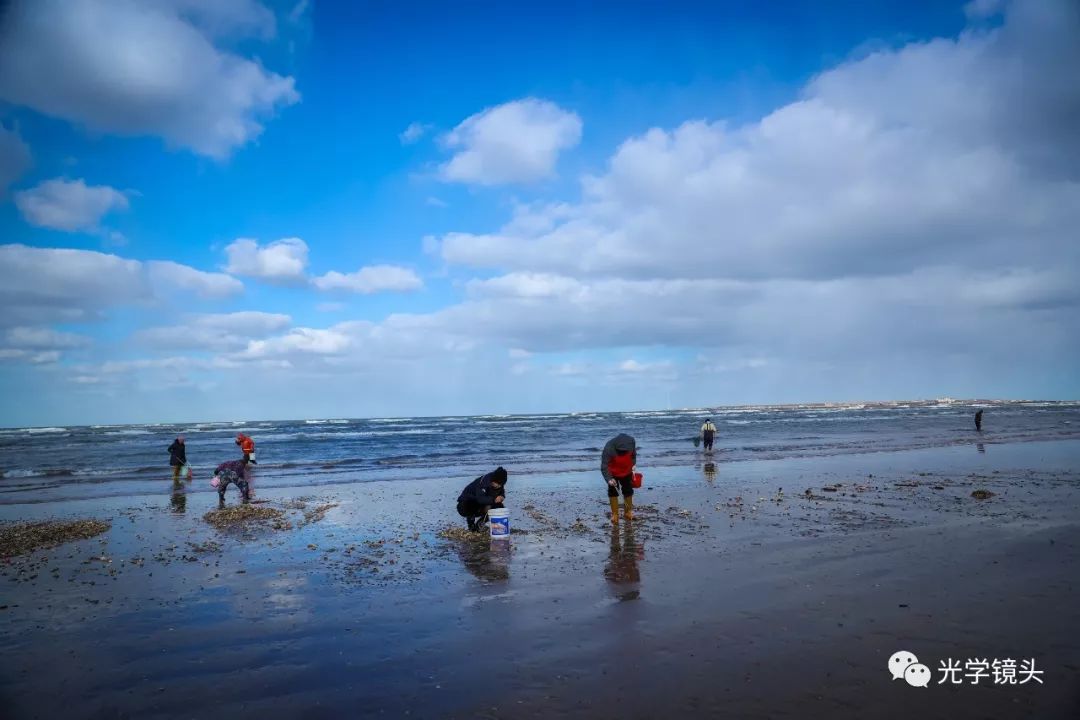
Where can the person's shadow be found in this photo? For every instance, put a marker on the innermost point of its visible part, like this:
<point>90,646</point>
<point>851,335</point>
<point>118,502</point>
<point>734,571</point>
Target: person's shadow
<point>178,501</point>
<point>488,560</point>
<point>621,569</point>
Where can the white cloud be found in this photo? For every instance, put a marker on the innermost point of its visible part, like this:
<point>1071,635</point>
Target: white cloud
<point>526,285</point>
<point>204,284</point>
<point>330,307</point>
<point>371,279</point>
<point>433,201</point>
<point>44,285</point>
<point>518,142</point>
<point>283,261</point>
<point>39,338</point>
<point>299,341</point>
<point>14,158</point>
<point>940,152</point>
<point>215,332</point>
<point>143,68</point>
<point>413,133</point>
<point>51,284</point>
<point>69,205</point>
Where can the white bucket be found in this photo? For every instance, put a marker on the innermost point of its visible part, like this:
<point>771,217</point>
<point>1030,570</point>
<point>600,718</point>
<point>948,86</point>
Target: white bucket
<point>499,522</point>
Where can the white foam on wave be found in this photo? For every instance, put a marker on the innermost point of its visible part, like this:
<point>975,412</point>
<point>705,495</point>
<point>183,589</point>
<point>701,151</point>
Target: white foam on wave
<point>43,430</point>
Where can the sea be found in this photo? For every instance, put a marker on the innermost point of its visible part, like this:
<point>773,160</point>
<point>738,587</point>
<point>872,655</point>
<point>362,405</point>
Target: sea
<point>43,464</point>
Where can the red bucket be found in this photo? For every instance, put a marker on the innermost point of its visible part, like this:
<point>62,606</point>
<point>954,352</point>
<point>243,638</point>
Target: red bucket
<point>638,478</point>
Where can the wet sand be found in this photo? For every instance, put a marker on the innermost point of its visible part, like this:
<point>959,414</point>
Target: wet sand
<point>724,597</point>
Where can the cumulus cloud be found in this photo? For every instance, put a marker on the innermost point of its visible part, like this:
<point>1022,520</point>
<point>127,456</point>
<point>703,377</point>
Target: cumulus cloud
<point>285,262</point>
<point>371,279</point>
<point>518,142</point>
<point>215,332</point>
<point>46,285</point>
<point>143,68</point>
<point>939,152</point>
<point>14,158</point>
<point>300,341</point>
<point>183,277</point>
<point>282,261</point>
<point>69,205</point>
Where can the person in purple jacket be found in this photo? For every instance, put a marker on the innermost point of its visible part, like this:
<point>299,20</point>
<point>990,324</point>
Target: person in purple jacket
<point>233,471</point>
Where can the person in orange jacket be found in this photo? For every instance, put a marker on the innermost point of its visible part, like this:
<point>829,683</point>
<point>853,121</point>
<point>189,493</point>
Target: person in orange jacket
<point>247,446</point>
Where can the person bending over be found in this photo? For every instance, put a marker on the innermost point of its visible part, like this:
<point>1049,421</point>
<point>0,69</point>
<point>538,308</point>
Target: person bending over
<point>617,466</point>
<point>232,472</point>
<point>482,494</point>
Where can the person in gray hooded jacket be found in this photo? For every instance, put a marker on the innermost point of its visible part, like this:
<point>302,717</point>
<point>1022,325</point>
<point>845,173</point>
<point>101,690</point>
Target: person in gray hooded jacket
<point>617,466</point>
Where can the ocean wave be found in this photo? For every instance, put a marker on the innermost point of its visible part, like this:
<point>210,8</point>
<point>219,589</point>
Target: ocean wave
<point>43,430</point>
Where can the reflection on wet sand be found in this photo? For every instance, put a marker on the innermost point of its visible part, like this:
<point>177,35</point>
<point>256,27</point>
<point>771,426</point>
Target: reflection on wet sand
<point>710,471</point>
<point>178,501</point>
<point>981,447</point>
<point>621,569</point>
<point>489,561</point>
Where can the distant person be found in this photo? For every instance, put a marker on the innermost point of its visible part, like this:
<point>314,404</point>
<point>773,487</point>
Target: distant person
<point>708,433</point>
<point>247,446</point>
<point>978,420</point>
<point>617,466</point>
<point>479,496</point>
<point>177,457</point>
<point>232,472</point>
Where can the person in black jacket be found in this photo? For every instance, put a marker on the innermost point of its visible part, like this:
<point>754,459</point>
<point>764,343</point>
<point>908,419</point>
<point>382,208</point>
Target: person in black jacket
<point>177,457</point>
<point>482,494</point>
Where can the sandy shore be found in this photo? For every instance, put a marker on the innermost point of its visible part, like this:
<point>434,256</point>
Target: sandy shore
<point>724,598</point>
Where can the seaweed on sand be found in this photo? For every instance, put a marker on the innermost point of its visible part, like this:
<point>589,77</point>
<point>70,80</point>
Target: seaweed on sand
<point>26,537</point>
<point>240,516</point>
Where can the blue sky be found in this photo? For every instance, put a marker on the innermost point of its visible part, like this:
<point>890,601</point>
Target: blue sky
<point>305,209</point>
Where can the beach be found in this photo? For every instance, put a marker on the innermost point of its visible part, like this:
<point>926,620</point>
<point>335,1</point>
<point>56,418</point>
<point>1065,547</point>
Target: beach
<point>734,592</point>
